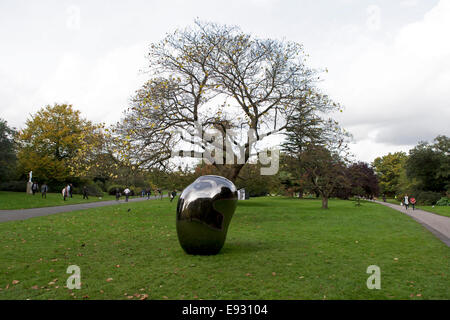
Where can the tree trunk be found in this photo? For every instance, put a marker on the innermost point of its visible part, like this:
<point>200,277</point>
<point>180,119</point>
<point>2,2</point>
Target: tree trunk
<point>324,202</point>
<point>232,173</point>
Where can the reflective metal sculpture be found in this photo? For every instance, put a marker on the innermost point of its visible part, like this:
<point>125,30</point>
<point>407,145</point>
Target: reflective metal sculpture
<point>204,212</point>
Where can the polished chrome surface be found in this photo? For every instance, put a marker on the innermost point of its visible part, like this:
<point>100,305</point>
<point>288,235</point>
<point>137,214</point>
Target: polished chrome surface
<point>204,212</point>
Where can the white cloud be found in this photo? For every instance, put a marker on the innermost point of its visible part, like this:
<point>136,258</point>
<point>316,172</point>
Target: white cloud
<point>373,21</point>
<point>396,91</point>
<point>409,3</point>
<point>392,77</point>
<point>99,89</point>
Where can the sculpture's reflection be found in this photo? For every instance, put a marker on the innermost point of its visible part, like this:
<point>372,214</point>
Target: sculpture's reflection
<point>204,212</point>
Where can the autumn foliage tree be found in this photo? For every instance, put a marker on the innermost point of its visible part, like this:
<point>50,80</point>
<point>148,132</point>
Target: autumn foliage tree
<point>388,169</point>
<point>57,144</point>
<point>214,78</point>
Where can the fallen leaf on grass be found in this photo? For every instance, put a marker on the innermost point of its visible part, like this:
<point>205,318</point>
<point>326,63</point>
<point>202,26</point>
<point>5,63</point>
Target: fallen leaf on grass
<point>274,273</point>
<point>15,281</point>
<point>109,279</point>
<point>144,296</point>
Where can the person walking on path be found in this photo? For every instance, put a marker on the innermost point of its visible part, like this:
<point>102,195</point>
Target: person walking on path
<point>148,192</point>
<point>413,202</point>
<point>70,190</point>
<point>160,194</point>
<point>117,194</point>
<point>44,190</point>
<point>85,193</point>
<point>406,201</point>
<point>127,194</point>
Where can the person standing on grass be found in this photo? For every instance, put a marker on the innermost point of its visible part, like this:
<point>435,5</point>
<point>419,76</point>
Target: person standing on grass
<point>406,201</point>
<point>127,194</point>
<point>413,202</point>
<point>173,194</point>
<point>65,192</point>
<point>34,188</point>
<point>70,190</point>
<point>44,190</point>
<point>85,193</point>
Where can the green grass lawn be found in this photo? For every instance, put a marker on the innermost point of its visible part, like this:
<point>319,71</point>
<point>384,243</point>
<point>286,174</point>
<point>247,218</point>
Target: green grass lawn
<point>443,211</point>
<point>276,248</point>
<point>22,200</point>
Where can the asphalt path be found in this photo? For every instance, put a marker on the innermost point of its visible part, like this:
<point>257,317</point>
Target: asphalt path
<point>23,214</point>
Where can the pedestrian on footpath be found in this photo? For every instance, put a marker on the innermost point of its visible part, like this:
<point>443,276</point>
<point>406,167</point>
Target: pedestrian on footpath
<point>406,201</point>
<point>85,193</point>
<point>413,202</point>
<point>127,194</point>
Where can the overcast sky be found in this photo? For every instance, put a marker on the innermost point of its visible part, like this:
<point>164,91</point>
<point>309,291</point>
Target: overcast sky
<point>388,61</point>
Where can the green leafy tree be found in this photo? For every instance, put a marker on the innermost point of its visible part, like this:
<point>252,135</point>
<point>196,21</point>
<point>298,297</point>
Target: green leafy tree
<point>429,164</point>
<point>8,151</point>
<point>388,169</point>
<point>324,171</point>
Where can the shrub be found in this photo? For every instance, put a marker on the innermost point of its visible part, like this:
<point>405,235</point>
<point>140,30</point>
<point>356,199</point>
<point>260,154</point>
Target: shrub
<point>444,201</point>
<point>428,197</point>
<point>112,189</point>
<point>100,184</point>
<point>92,189</point>
<point>18,186</point>
<point>56,187</point>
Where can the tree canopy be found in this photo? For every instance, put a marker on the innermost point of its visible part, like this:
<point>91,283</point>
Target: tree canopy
<point>56,143</point>
<point>8,150</point>
<point>430,164</point>
<point>388,169</point>
<point>213,78</point>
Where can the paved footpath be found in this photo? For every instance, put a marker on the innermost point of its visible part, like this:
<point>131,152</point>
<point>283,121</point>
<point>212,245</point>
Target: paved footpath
<point>438,225</point>
<point>22,214</point>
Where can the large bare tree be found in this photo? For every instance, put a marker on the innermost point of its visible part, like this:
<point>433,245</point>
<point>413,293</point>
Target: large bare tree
<point>213,78</point>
